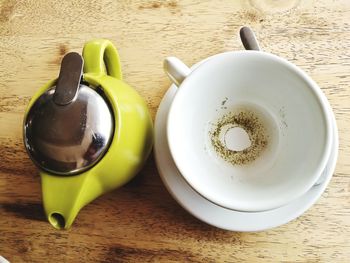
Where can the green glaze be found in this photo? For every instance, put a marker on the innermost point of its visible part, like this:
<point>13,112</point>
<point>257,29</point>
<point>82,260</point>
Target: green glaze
<point>64,196</point>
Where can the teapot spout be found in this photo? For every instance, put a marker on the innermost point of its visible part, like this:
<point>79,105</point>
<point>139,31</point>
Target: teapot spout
<point>64,196</point>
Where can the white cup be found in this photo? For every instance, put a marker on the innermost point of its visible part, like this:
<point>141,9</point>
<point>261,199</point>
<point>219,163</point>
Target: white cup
<point>288,104</point>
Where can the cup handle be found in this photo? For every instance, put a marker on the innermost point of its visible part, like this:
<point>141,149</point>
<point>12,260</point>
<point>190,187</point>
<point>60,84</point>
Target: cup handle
<point>101,58</point>
<point>248,39</point>
<point>176,70</point>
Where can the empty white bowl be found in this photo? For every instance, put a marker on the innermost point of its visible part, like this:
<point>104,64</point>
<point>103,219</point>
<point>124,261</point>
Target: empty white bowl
<point>292,109</point>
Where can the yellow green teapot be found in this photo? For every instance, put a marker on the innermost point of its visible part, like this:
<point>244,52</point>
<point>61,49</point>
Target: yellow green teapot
<point>87,131</point>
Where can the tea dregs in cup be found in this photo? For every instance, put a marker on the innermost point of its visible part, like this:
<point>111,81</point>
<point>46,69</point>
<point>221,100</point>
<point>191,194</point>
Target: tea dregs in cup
<point>239,137</point>
<point>242,134</point>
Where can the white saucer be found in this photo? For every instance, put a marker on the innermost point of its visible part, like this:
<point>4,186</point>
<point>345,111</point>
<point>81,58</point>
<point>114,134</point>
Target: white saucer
<point>216,215</point>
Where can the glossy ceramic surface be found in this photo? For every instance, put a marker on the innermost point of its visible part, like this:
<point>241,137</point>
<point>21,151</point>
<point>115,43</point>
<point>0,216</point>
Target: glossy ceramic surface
<point>295,114</point>
<point>218,216</point>
<point>63,197</point>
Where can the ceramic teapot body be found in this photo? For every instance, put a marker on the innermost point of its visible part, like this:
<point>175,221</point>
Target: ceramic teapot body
<point>64,196</point>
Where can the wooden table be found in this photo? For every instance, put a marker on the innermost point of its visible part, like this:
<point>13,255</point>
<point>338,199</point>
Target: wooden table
<point>141,221</point>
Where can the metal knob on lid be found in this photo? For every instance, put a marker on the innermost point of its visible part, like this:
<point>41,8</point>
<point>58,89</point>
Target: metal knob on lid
<point>70,126</point>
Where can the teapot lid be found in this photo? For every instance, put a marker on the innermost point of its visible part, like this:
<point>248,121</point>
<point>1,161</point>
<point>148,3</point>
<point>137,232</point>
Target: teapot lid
<point>70,126</point>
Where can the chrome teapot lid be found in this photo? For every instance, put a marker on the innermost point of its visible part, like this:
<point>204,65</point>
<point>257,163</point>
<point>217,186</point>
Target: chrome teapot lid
<point>70,126</point>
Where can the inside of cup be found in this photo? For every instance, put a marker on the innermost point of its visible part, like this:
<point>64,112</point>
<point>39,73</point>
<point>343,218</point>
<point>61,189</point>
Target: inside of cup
<point>294,126</point>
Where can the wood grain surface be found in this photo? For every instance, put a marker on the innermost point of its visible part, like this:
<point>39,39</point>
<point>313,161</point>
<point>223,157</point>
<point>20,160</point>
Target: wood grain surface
<point>141,222</point>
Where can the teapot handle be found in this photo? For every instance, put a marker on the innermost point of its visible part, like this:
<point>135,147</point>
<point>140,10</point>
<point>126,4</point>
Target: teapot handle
<point>101,58</point>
